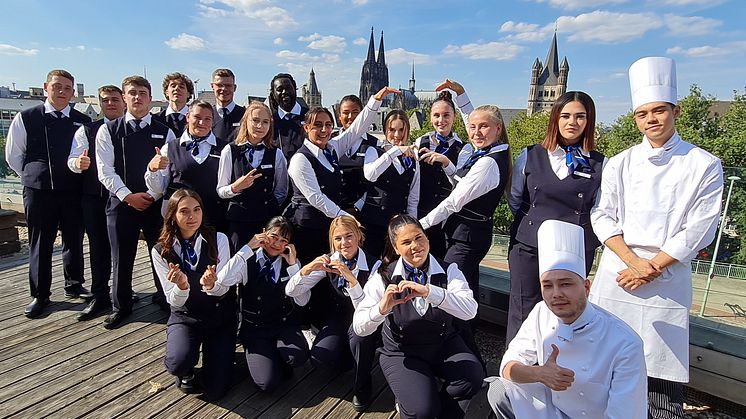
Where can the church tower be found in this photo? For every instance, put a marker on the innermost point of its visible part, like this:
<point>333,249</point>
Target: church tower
<point>411,81</point>
<point>310,91</point>
<point>548,82</point>
<point>375,73</point>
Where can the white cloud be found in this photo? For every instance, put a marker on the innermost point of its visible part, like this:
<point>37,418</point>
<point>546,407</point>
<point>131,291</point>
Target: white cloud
<point>607,27</point>
<point>693,2</point>
<point>272,16</point>
<point>65,49</point>
<point>519,27</point>
<point>359,2</point>
<point>525,32</point>
<point>402,56</point>
<point>278,41</point>
<point>6,49</point>
<point>306,57</point>
<point>706,51</point>
<point>690,26</point>
<point>500,51</point>
<point>330,43</point>
<point>580,4</point>
<point>360,41</point>
<point>186,42</point>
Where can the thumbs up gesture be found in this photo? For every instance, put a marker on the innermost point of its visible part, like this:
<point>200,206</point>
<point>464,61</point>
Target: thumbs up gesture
<point>83,162</point>
<point>553,375</point>
<point>158,162</point>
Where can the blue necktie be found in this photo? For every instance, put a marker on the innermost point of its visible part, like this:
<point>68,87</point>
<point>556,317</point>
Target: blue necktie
<point>268,271</point>
<point>331,156</point>
<point>350,264</point>
<point>407,162</point>
<point>193,144</point>
<point>59,114</point>
<point>575,160</point>
<point>251,148</point>
<point>443,145</point>
<point>416,275</point>
<point>477,154</point>
<point>188,255</point>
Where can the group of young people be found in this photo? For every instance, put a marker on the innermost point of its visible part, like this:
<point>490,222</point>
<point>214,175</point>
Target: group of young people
<point>264,221</point>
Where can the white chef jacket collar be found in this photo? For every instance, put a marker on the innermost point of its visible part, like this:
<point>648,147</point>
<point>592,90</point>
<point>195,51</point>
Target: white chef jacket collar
<point>295,111</point>
<point>670,144</point>
<point>183,111</point>
<point>361,264</point>
<point>566,331</point>
<point>186,137</point>
<point>48,108</point>
<point>433,268</point>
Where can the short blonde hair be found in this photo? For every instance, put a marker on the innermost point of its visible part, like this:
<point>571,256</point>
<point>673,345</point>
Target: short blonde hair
<point>349,223</point>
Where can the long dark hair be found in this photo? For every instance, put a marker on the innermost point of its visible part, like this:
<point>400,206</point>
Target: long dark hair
<point>389,252</point>
<point>588,140</point>
<point>170,229</point>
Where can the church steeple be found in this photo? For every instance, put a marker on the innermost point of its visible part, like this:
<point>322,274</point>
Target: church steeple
<point>381,56</point>
<point>371,48</point>
<point>552,62</point>
<point>411,81</point>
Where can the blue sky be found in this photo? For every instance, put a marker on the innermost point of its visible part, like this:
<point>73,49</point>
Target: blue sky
<point>489,46</point>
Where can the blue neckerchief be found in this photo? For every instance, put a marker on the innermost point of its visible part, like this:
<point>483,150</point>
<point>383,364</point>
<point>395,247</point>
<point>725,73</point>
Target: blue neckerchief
<point>268,271</point>
<point>574,159</point>
<point>188,255</point>
<point>193,144</point>
<point>443,143</point>
<point>350,264</point>
<point>407,162</point>
<point>331,156</point>
<point>477,154</point>
<point>414,274</point>
<point>251,148</point>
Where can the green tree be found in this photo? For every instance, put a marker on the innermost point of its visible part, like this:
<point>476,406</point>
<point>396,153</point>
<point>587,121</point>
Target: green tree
<point>695,124</point>
<point>525,130</point>
<point>619,136</point>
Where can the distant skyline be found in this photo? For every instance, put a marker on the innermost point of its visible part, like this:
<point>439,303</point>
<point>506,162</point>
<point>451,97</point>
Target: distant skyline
<point>489,47</point>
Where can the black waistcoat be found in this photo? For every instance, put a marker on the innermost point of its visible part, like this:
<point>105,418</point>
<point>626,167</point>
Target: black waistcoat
<point>388,195</point>
<point>256,203</point>
<point>546,197</point>
<point>134,150</point>
<point>353,180</point>
<point>225,129</point>
<point>200,308</point>
<point>91,185</point>
<point>329,300</point>
<point>48,143</point>
<point>434,183</point>
<point>330,183</point>
<point>177,127</point>
<point>263,302</point>
<point>201,178</point>
<point>289,134</point>
<point>406,331</point>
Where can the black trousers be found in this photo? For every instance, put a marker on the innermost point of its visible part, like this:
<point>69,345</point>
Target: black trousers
<point>99,250</point>
<point>363,350</point>
<point>269,355</point>
<point>665,399</point>
<point>331,348</point>
<point>239,233</point>
<point>124,224</point>
<point>413,380</point>
<point>46,212</point>
<point>218,343</point>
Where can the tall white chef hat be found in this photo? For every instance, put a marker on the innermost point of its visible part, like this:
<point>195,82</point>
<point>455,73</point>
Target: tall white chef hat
<point>561,246</point>
<point>652,79</point>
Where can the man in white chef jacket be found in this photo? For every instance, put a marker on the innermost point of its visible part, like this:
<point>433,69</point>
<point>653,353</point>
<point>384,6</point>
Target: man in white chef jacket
<point>659,205</point>
<point>570,358</point>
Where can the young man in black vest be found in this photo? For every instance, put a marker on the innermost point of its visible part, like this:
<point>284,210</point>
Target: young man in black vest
<point>123,150</point>
<point>178,90</point>
<point>38,143</point>
<point>228,114</point>
<point>287,113</point>
<point>94,197</point>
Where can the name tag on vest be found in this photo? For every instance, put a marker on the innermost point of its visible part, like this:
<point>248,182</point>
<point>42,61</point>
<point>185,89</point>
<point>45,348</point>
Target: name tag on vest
<point>156,136</point>
<point>360,154</point>
<point>78,124</point>
<point>236,124</point>
<point>266,166</point>
<point>214,155</point>
<point>581,174</point>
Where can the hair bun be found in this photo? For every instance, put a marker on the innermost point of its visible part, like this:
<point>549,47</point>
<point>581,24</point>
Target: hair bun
<point>445,95</point>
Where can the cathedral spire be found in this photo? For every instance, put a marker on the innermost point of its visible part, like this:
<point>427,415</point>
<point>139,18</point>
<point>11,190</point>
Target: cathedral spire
<point>312,86</point>
<point>552,62</point>
<point>381,56</point>
<point>371,48</point>
<point>411,81</point>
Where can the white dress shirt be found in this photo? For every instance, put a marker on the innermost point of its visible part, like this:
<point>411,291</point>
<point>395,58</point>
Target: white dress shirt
<point>659,199</point>
<point>80,144</point>
<point>183,111</point>
<point>236,270</point>
<point>159,180</point>
<point>230,108</point>
<point>175,295</point>
<point>295,111</point>
<point>604,353</point>
<point>556,161</point>
<point>105,158</point>
<point>375,166</point>
<point>483,177</point>
<point>15,144</point>
<point>456,299</point>
<point>299,286</point>
<point>225,171</point>
<point>301,171</point>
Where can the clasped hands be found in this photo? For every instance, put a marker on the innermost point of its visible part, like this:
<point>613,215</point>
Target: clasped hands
<point>639,272</point>
<point>401,293</point>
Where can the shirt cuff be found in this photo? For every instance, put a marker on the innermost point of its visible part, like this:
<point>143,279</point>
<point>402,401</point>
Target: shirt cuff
<point>155,195</point>
<point>245,252</point>
<point>122,193</point>
<point>293,269</point>
<point>425,223</point>
<point>217,290</point>
<point>605,232</point>
<point>355,292</point>
<point>71,166</point>
<point>226,192</point>
<point>376,316</point>
<point>436,296</point>
<point>374,104</point>
<point>450,170</point>
<point>394,151</point>
<point>676,250</point>
<point>462,100</point>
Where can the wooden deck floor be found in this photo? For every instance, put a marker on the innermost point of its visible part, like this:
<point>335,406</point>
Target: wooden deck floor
<point>58,367</point>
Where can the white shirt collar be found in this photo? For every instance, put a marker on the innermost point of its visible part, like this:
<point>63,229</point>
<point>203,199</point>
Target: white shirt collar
<point>185,137</point>
<point>670,144</point>
<point>128,117</point>
<point>433,268</point>
<point>560,152</point>
<point>48,108</point>
<point>295,111</point>
<point>182,111</point>
<point>229,107</point>
<point>361,264</point>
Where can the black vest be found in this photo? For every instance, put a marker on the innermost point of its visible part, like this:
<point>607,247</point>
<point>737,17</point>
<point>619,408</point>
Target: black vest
<point>289,134</point>
<point>200,308</point>
<point>546,197</point>
<point>177,127</point>
<point>224,129</point>
<point>353,180</point>
<point>91,185</point>
<point>48,143</point>
<point>256,203</point>
<point>329,300</point>
<point>434,183</point>
<point>263,302</point>
<point>201,178</point>
<point>388,195</point>
<point>405,330</point>
<point>330,183</point>
<point>134,150</point>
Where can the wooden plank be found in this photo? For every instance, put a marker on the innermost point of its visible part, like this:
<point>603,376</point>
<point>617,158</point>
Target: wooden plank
<point>242,389</point>
<point>345,410</point>
<point>9,234</point>
<point>129,400</point>
<point>336,390</point>
<point>285,407</point>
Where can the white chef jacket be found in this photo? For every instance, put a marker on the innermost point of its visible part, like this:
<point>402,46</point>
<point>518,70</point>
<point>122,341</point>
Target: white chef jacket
<point>605,354</point>
<point>660,199</point>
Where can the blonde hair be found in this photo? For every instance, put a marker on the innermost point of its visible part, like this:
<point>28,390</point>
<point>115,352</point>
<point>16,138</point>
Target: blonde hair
<point>349,223</point>
<point>243,131</point>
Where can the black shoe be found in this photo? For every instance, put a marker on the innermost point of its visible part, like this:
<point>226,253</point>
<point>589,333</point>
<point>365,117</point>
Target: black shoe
<point>187,384</point>
<point>78,291</point>
<point>361,400</point>
<point>36,307</point>
<point>115,319</point>
<point>94,308</point>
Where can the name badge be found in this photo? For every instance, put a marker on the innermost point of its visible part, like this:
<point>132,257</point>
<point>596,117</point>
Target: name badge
<point>581,174</point>
<point>360,154</point>
<point>236,124</point>
<point>77,124</point>
<point>214,155</point>
<point>159,136</point>
<point>457,178</point>
<point>266,166</point>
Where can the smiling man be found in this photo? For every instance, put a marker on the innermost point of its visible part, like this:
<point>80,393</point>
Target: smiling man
<point>228,114</point>
<point>287,113</point>
<point>178,90</point>
<point>570,358</point>
<point>659,205</point>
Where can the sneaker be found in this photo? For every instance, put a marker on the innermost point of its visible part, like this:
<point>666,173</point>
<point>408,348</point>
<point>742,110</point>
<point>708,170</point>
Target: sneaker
<point>187,384</point>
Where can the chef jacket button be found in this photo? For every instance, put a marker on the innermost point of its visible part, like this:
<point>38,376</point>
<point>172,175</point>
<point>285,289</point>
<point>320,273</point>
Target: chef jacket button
<point>258,297</point>
<point>580,194</point>
<point>581,394</point>
<point>217,304</point>
<point>444,325</point>
<point>383,207</point>
<point>536,188</point>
